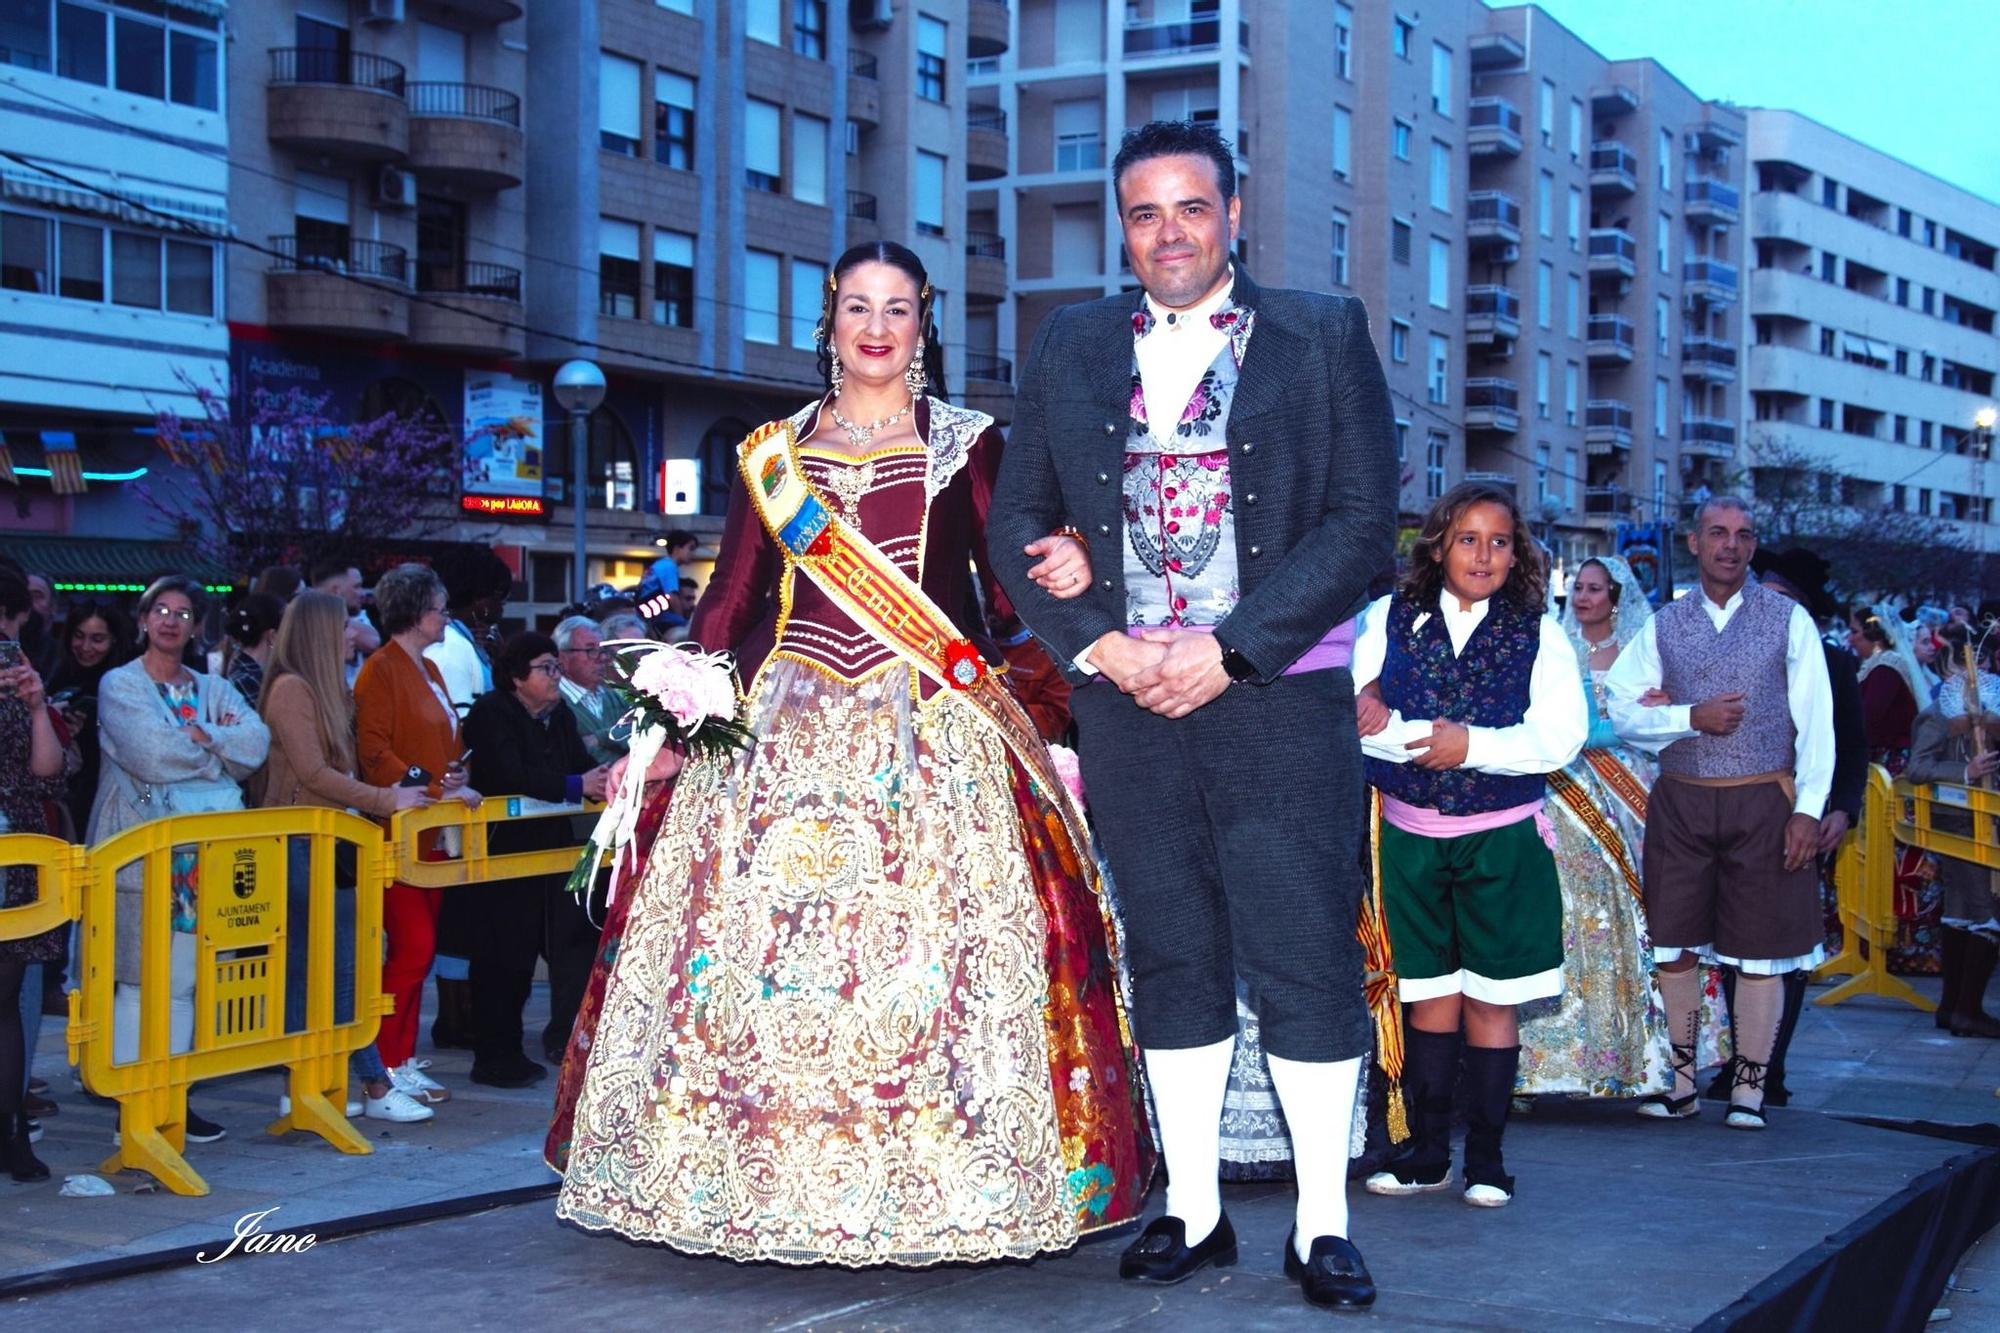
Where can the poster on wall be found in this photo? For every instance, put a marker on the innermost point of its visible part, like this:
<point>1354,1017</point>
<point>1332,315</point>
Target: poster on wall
<point>502,470</point>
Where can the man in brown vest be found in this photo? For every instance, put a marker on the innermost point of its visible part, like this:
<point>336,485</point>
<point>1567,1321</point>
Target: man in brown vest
<point>1732,827</point>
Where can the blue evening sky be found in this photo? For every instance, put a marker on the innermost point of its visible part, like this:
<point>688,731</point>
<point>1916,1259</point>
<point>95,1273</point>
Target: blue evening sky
<point>1917,79</point>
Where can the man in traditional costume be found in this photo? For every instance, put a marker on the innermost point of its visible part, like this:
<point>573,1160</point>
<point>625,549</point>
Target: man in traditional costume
<point>1231,453</point>
<point>1732,828</point>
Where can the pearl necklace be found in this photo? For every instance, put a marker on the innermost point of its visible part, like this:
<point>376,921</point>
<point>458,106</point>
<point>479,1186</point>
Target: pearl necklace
<point>859,436</point>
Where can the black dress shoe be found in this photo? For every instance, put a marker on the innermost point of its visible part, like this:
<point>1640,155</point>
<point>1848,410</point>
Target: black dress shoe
<point>1163,1257</point>
<point>520,1072</point>
<point>1335,1276</point>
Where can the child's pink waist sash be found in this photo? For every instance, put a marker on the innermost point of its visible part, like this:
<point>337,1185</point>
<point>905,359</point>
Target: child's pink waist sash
<point>1428,823</point>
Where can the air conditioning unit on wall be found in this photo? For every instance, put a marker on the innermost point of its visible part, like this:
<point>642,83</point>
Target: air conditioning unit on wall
<point>380,13</point>
<point>395,188</point>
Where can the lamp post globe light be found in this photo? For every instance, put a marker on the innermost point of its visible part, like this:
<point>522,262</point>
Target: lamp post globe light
<point>579,387</point>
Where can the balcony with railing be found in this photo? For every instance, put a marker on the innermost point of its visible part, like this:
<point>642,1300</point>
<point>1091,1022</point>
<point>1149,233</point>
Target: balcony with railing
<point>1613,99</point>
<point>345,288</point>
<point>1492,315</point>
<point>985,266</point>
<point>1492,217</point>
<point>1708,360</point>
<point>1492,128</point>
<point>1492,404</point>
<point>988,30</point>
<point>1614,168</point>
<point>466,134</point>
<point>989,385</point>
<point>985,143</point>
<point>1606,502</point>
<point>864,89</point>
<point>1713,201</point>
<point>1614,254</point>
<point>1610,340</point>
<point>1709,437</point>
<point>1185,37</point>
<point>472,308</point>
<point>862,212</point>
<point>1607,425</point>
<point>1710,281</point>
<point>339,104</point>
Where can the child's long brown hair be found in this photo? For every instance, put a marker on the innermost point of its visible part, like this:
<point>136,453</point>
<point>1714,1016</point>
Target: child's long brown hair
<point>1423,582</point>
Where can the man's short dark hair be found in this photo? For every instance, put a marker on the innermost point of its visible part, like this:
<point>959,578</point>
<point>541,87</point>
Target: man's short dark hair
<point>1171,138</point>
<point>330,567</point>
<point>680,537</point>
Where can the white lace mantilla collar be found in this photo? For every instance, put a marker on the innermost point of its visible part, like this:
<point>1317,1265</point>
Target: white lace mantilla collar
<point>953,431</point>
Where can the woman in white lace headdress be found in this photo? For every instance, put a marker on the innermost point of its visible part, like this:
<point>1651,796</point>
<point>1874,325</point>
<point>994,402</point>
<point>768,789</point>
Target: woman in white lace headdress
<point>1605,1035</point>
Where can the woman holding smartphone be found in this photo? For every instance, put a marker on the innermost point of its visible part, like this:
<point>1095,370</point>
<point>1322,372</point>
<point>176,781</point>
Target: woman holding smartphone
<point>407,728</point>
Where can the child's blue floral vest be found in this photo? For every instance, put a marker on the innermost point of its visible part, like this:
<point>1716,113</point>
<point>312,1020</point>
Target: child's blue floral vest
<point>1485,686</point>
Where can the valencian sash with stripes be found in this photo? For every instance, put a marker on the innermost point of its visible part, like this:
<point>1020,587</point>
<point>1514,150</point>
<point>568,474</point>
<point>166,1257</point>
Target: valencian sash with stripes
<point>868,586</point>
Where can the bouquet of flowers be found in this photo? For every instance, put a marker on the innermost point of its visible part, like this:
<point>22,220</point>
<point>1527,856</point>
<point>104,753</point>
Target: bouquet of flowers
<point>677,695</point>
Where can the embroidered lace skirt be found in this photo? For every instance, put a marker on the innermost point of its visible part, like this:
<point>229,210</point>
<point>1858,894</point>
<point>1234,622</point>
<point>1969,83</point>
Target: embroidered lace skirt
<point>860,1008</point>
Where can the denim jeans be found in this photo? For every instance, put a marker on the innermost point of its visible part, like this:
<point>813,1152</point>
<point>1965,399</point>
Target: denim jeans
<point>366,1063</point>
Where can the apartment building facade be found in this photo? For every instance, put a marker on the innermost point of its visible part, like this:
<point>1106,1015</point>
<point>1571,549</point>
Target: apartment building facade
<point>1618,395</point>
<point>741,145</point>
<point>1548,242</point>
<point>113,225</point>
<point>1873,351</point>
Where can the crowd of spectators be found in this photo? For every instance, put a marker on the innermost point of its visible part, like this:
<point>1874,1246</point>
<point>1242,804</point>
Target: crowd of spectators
<point>312,687</point>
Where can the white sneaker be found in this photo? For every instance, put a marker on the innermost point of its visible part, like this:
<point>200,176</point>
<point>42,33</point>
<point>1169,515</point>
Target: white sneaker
<point>1487,1196</point>
<point>285,1105</point>
<point>398,1106</point>
<point>416,1084</point>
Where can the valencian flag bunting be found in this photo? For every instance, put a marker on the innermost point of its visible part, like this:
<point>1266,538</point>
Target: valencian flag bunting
<point>65,464</point>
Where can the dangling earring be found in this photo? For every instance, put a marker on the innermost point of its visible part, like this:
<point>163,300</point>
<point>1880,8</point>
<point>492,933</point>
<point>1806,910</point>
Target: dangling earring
<point>914,377</point>
<point>834,374</point>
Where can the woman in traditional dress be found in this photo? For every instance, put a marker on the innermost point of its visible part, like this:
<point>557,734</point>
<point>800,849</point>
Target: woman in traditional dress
<point>1606,1034</point>
<point>1891,690</point>
<point>862,1007</point>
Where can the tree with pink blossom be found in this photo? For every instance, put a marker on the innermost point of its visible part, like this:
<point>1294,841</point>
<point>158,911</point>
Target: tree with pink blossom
<point>286,481</point>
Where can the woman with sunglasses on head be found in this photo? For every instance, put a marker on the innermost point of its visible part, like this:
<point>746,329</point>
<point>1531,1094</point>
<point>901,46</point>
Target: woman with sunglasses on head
<point>176,741</point>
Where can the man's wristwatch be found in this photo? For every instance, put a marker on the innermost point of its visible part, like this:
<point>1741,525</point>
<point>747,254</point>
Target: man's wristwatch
<point>1235,665</point>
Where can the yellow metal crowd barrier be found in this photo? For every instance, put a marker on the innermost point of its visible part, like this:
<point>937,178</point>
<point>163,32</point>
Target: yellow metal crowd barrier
<point>1864,878</point>
<point>232,969</point>
<point>1865,875</point>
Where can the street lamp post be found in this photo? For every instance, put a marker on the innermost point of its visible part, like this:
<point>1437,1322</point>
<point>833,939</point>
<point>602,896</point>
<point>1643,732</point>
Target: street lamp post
<point>579,388</point>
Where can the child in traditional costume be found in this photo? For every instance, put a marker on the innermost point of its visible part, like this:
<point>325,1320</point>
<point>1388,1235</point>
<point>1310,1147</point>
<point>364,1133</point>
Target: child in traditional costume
<point>1470,697</point>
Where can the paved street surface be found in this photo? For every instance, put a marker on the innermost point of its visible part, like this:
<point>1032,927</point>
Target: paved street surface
<point>1612,1216</point>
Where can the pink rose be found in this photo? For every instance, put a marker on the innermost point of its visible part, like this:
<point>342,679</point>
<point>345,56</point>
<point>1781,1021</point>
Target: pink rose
<point>1069,770</point>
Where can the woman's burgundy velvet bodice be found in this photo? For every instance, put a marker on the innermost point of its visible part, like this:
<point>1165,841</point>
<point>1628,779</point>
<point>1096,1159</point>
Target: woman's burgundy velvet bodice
<point>740,608</point>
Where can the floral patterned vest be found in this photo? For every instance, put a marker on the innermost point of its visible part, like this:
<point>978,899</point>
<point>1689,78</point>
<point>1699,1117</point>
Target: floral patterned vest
<point>1484,686</point>
<point>1180,527</point>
